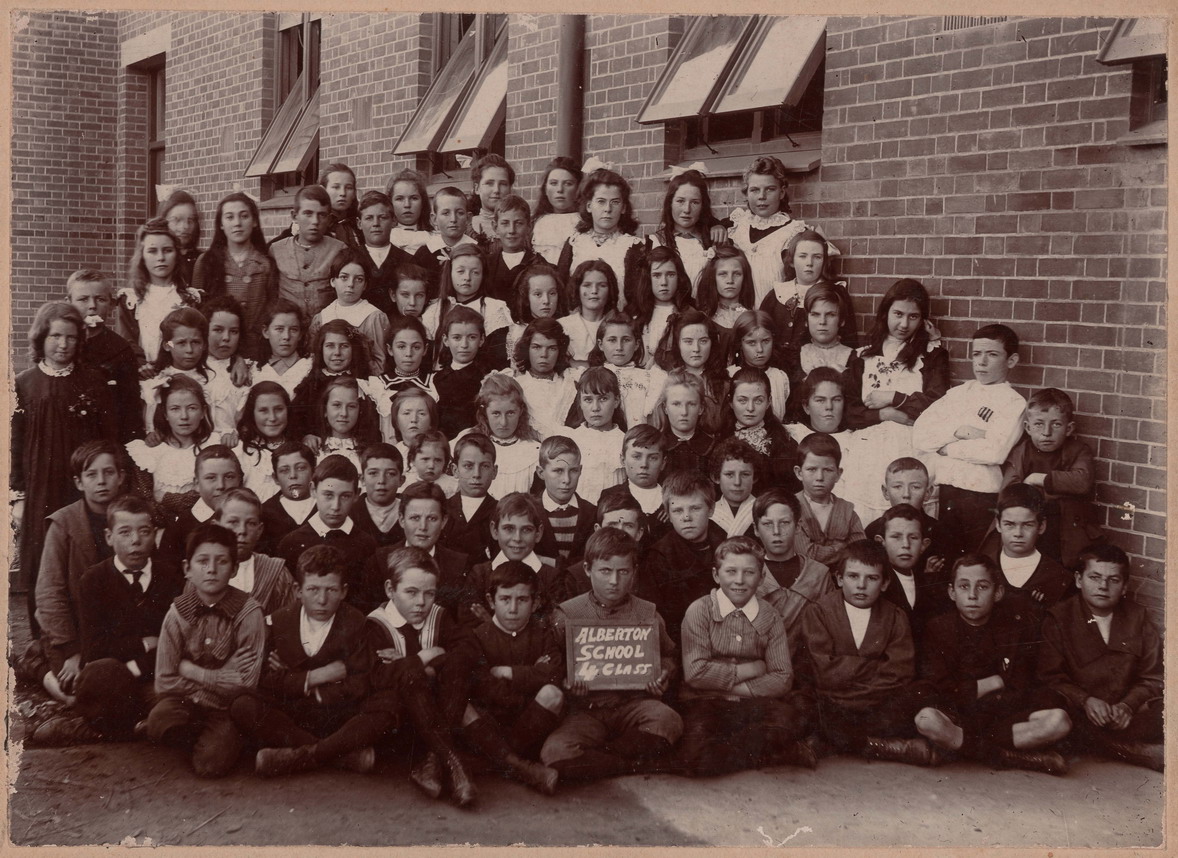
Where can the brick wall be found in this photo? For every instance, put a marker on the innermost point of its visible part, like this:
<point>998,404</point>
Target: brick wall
<point>533,65</point>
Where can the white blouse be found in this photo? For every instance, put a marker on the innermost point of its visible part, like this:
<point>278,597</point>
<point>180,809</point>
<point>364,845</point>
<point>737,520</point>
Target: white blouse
<point>172,469</point>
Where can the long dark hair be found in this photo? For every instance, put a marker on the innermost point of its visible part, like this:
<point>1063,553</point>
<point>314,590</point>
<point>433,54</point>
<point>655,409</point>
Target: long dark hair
<point>669,358</point>
<point>367,422</point>
<point>546,328</point>
<point>627,223</point>
<point>643,306</point>
<point>247,430</point>
<point>181,198</point>
<point>707,296</point>
<point>159,420</point>
<point>360,355</point>
<point>185,317</point>
<point>747,375</point>
<point>214,258</point>
<point>905,289</point>
<point>521,306</point>
<point>560,162</point>
<point>707,220</point>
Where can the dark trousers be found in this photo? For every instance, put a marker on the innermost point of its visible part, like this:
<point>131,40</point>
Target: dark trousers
<point>1147,725</point>
<point>722,736</point>
<point>848,727</point>
<point>965,517</point>
<point>209,733</point>
<point>111,698</point>
<point>988,724</point>
<point>333,730</point>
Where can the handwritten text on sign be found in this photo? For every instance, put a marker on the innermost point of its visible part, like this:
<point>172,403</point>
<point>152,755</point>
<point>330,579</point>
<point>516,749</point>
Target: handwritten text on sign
<point>613,656</point>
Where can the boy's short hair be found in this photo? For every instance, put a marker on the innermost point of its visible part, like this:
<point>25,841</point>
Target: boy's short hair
<point>738,545</point>
<point>820,444</point>
<point>128,503</point>
<point>86,275</point>
<point>1021,495</point>
<point>381,450</point>
<point>615,501</point>
<point>644,435</point>
<point>519,503</point>
<point>319,561</point>
<point>510,574</point>
<point>1052,397</point>
<point>421,490</point>
<point>447,191</point>
<point>241,493</point>
<point>732,449</point>
<point>410,271</point>
<point>434,436</point>
<point>336,467</point>
<point>609,542</point>
<point>903,512</point>
<point>1002,333</point>
<point>85,454</point>
<point>775,496</point>
<point>375,198</point>
<point>977,559</point>
<point>210,533</point>
<point>905,463</point>
<point>865,551</point>
<point>405,558</point>
<point>1103,552</point>
<point>315,193</point>
<point>555,446</point>
<point>514,203</point>
<point>289,447</point>
<point>686,483</point>
<point>477,440</point>
<point>217,451</point>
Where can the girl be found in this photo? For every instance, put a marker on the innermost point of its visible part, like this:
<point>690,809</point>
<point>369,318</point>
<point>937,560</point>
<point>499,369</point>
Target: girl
<point>429,456</point>
<point>620,349</point>
<point>155,288</point>
<point>692,343</point>
<point>184,425</point>
<point>179,212</point>
<point>60,404</point>
<point>539,294</point>
<point>502,415</point>
<point>752,338</point>
<point>543,373</point>
<point>462,284</point>
<point>412,412</point>
<point>606,231</point>
<point>677,415</point>
<point>265,418</point>
<point>597,434</point>
<point>823,399</point>
<point>349,278</point>
<point>461,375</point>
<point>823,309</point>
<point>411,225</point>
<point>404,369</point>
<point>725,287</point>
<point>226,321</point>
<point>592,292</point>
<point>343,223</point>
<point>750,419</point>
<point>282,357</point>
<point>339,350</point>
<point>806,264</point>
<point>185,335</point>
<point>663,293</point>
<point>555,216</point>
<point>237,264</point>
<point>688,226</point>
<point>765,227</point>
<point>491,179</point>
<point>347,421</point>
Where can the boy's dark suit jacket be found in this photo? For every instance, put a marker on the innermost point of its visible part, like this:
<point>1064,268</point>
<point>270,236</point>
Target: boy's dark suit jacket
<point>551,579</point>
<point>345,642</point>
<point>381,282</point>
<point>674,574</point>
<point>932,599</point>
<point>277,523</point>
<point>114,619</point>
<point>586,520</point>
<point>500,279</point>
<point>363,520</point>
<point>1049,578</point>
<point>473,537</point>
<point>452,567</point>
<point>358,549</point>
<point>954,655</point>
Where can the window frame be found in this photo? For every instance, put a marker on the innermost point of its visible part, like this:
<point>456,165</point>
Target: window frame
<point>1148,101</point>
<point>156,133</point>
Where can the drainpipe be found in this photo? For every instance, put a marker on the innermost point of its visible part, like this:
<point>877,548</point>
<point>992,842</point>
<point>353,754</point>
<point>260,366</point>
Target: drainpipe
<point>570,86</point>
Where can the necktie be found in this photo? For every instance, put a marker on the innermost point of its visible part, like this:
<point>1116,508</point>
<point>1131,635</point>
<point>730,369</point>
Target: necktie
<point>412,640</point>
<point>335,533</point>
<point>136,585</point>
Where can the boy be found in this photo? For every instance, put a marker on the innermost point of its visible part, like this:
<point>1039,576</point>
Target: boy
<point>737,674</point>
<point>492,179</point>
<point>920,595</point>
<point>828,523</point>
<point>643,460</point>
<point>1033,582</point>
<point>470,510</point>
<point>620,511</point>
<point>569,518</point>
<point>382,471</point>
<point>121,605</point>
<point>267,579</point>
<point>513,229</point>
<point>211,646</point>
<point>334,485</point>
<point>412,639</point>
<point>293,465</point>
<point>1103,656</point>
<point>734,469</point>
<point>609,733</point>
<point>907,481</point>
<point>972,429</point>
<point>791,582</point>
<point>91,293</point>
<point>860,660</point>
<point>381,257</point>
<point>217,470</point>
<point>303,262</point>
<point>516,682</point>
<point>686,444</point>
<point>310,710</point>
<point>677,569</point>
<point>1050,458</point>
<point>450,218</point>
<point>979,665</point>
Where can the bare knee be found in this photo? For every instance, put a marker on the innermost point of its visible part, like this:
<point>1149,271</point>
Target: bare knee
<point>927,719</point>
<point>550,697</point>
<point>1058,723</point>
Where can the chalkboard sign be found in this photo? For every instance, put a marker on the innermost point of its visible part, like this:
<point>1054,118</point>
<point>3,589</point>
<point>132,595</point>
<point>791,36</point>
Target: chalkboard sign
<point>612,656</point>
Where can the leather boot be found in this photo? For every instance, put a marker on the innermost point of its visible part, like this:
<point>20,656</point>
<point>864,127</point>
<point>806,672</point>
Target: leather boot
<point>800,753</point>
<point>483,737</point>
<point>461,787</point>
<point>273,762</point>
<point>361,760</point>
<point>428,775</point>
<point>915,752</point>
<point>1150,755</point>
<point>1048,762</point>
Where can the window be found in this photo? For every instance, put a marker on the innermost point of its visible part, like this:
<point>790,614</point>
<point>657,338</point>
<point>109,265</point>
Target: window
<point>1142,42</point>
<point>288,156</point>
<point>745,86</point>
<point>156,101</point>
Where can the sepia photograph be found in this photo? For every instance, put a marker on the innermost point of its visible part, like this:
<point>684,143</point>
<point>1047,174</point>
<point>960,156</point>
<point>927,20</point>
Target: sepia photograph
<point>570,429</point>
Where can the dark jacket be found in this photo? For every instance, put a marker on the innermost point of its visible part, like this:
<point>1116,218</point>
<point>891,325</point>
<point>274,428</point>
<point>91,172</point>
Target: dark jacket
<point>345,642</point>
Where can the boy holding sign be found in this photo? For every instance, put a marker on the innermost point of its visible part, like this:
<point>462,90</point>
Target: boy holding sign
<point>608,732</point>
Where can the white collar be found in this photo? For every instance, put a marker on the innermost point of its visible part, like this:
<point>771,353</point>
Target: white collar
<point>298,509</point>
<point>648,499</point>
<point>394,616</point>
<point>455,365</point>
<point>552,506</point>
<point>124,569</point>
<point>751,609</point>
<point>201,511</point>
<point>55,373</point>
<point>322,529</point>
<point>471,505</point>
<point>532,561</point>
<point>513,259</point>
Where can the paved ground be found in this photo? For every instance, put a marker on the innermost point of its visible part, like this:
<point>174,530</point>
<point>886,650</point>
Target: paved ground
<point>106,793</point>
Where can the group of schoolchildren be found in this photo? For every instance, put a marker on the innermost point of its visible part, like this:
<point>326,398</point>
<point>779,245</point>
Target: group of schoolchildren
<point>509,420</point>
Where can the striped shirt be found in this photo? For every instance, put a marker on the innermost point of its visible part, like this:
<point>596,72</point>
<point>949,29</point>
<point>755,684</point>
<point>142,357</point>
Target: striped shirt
<point>716,637</point>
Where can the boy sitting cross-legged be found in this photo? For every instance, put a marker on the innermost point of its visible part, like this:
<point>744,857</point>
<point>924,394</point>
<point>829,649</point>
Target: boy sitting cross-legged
<point>211,646</point>
<point>1103,656</point>
<point>859,657</point>
<point>609,733</point>
<point>309,710</point>
<point>979,665</point>
<point>515,697</point>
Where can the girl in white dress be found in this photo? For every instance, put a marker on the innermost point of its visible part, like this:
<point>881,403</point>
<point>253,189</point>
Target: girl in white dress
<point>262,430</point>
<point>555,217</point>
<point>620,350</point>
<point>597,434</point>
<point>282,333</point>
<point>502,415</point>
<point>592,292</point>
<point>462,282</point>
<point>548,383</point>
<point>752,343</point>
<point>411,210</point>
<point>155,287</point>
<point>663,292</point>
<point>688,225</point>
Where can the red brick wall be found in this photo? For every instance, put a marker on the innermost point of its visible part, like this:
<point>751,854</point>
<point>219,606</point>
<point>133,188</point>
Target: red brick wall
<point>532,68</point>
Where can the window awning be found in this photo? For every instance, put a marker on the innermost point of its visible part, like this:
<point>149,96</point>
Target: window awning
<point>776,64</point>
<point>696,68</point>
<point>274,145</point>
<point>433,116</point>
<point>304,140</point>
<point>1134,39</point>
<point>484,106</point>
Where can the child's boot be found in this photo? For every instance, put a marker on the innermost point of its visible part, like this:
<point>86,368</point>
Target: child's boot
<point>1146,754</point>
<point>915,752</point>
<point>361,760</point>
<point>428,775</point>
<point>483,737</point>
<point>461,786</point>
<point>1048,762</point>
<point>273,762</point>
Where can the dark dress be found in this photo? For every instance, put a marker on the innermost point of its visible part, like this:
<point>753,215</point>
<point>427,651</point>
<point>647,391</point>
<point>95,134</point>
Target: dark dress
<point>110,353</point>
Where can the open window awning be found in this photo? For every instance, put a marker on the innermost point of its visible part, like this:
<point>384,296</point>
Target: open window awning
<point>484,106</point>
<point>1134,39</point>
<point>304,140</point>
<point>291,137</point>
